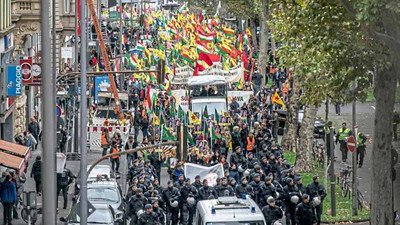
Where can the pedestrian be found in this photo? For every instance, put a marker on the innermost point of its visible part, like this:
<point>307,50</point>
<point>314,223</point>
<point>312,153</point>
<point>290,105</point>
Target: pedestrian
<point>37,175</point>
<point>34,129</point>
<point>129,145</point>
<point>361,151</point>
<point>30,140</point>
<point>115,158</point>
<point>8,198</point>
<point>64,179</point>
<point>105,141</point>
<point>272,213</point>
<point>341,137</point>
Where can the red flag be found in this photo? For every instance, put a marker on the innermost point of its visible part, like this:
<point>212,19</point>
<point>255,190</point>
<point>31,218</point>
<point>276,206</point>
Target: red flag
<point>245,64</point>
<point>204,57</point>
<point>201,18</point>
<point>148,97</point>
<point>214,58</point>
<point>197,69</point>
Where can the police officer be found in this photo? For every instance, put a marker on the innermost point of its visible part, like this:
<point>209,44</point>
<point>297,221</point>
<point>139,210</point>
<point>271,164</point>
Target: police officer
<point>64,179</point>
<point>206,192</point>
<point>317,193</point>
<point>244,189</point>
<point>267,189</point>
<point>188,198</point>
<point>343,134</point>
<point>300,186</point>
<point>305,212</point>
<point>171,196</point>
<point>159,211</point>
<point>271,212</point>
<point>256,184</point>
<point>149,217</point>
<point>291,198</point>
<point>136,203</point>
<point>361,144</point>
<point>224,189</point>
<point>197,183</point>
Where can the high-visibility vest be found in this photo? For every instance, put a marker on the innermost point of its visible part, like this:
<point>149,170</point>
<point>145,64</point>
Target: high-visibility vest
<point>104,140</point>
<point>115,150</point>
<point>343,134</point>
<point>250,144</point>
<point>360,140</point>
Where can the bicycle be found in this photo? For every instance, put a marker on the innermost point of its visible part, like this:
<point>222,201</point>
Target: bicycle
<point>345,181</point>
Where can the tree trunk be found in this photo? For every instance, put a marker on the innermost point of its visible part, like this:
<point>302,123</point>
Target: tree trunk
<point>381,180</point>
<point>289,139</point>
<point>253,31</point>
<point>262,60</point>
<point>304,158</point>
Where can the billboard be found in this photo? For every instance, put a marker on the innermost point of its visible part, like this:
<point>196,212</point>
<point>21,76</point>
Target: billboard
<point>14,80</point>
<point>100,84</point>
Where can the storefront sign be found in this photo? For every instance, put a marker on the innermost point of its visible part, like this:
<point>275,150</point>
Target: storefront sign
<point>14,81</point>
<point>37,74</point>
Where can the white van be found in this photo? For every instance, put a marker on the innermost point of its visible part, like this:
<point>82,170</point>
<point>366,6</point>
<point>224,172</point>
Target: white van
<point>228,211</point>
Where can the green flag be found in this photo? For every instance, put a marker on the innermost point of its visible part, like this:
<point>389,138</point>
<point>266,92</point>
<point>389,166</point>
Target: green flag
<point>181,113</point>
<point>205,113</point>
<point>216,116</point>
<point>162,121</point>
<point>167,136</point>
<point>214,135</point>
<point>190,140</point>
<point>205,128</point>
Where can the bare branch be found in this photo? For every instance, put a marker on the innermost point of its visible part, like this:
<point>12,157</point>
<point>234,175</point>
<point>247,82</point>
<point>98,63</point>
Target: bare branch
<point>389,40</point>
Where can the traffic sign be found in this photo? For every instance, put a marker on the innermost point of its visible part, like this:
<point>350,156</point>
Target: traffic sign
<point>58,111</point>
<point>351,143</point>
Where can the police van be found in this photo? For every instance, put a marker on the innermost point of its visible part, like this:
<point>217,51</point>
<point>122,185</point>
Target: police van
<point>228,211</point>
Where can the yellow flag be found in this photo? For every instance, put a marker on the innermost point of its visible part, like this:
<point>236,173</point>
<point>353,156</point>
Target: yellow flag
<point>156,120</point>
<point>276,99</point>
<point>193,118</point>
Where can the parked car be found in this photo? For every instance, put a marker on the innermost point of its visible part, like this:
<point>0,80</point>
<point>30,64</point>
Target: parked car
<point>102,214</point>
<point>104,170</point>
<point>110,193</point>
<point>318,124</point>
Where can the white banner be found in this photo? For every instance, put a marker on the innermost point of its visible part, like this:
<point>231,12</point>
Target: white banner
<point>235,73</point>
<point>209,173</point>
<point>66,52</point>
<point>181,99</point>
<point>240,96</point>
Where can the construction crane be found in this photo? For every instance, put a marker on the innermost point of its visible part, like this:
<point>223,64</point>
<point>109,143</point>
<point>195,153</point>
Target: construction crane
<point>106,60</point>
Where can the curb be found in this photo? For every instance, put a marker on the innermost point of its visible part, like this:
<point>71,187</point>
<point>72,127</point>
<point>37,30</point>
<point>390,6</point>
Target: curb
<point>346,221</point>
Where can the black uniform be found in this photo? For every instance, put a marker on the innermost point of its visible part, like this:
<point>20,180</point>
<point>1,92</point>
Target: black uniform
<point>266,190</point>
<point>305,214</point>
<point>272,214</point>
<point>160,214</point>
<point>242,189</point>
<point>187,209</point>
<point>256,190</point>
<point>64,179</point>
<point>206,192</point>
<point>148,219</point>
<point>290,207</point>
<point>136,203</point>
<point>314,190</point>
<point>221,189</point>
<point>171,194</point>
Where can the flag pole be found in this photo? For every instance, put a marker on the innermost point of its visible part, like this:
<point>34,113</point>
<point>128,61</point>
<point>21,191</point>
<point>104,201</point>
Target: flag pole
<point>211,128</point>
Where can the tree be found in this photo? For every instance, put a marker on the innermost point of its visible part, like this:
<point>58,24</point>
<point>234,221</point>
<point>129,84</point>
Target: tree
<point>262,62</point>
<point>380,20</point>
<point>327,53</point>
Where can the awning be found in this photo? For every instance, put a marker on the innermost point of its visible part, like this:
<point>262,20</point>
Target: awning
<point>14,149</point>
<point>12,161</point>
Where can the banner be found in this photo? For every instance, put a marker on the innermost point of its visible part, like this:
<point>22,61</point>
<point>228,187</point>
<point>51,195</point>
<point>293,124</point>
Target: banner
<point>101,84</point>
<point>240,96</point>
<point>181,99</point>
<point>14,81</point>
<point>182,74</point>
<point>209,173</point>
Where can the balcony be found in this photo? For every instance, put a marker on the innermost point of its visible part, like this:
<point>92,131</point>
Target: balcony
<point>25,7</point>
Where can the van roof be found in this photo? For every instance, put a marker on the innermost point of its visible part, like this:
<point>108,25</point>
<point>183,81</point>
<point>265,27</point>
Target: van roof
<point>229,209</point>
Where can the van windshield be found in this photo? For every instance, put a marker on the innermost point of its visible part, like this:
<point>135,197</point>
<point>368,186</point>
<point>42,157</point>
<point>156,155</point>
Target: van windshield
<point>237,223</point>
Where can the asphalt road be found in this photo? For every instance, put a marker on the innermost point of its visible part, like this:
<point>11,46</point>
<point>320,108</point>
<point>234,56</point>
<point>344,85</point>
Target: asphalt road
<point>365,115</point>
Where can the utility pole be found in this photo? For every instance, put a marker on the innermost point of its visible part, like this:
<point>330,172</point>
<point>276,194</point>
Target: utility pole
<point>49,137</point>
<point>84,118</point>
<point>332,171</point>
<point>121,61</point>
<point>54,60</point>
<point>76,110</point>
<point>354,156</point>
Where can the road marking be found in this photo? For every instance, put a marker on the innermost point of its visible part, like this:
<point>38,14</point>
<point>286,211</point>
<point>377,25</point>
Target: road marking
<point>373,107</point>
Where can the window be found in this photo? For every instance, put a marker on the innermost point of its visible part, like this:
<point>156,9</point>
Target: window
<point>67,5</point>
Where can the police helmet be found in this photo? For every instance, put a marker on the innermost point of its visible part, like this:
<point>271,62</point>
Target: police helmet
<point>148,206</point>
<point>295,199</point>
<point>246,173</point>
<point>174,203</point>
<point>316,201</point>
<point>240,169</point>
<point>140,212</point>
<point>270,199</point>
<point>191,201</point>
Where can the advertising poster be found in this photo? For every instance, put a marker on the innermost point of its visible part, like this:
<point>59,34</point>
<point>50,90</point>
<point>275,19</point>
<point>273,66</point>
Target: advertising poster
<point>14,81</point>
<point>101,84</point>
